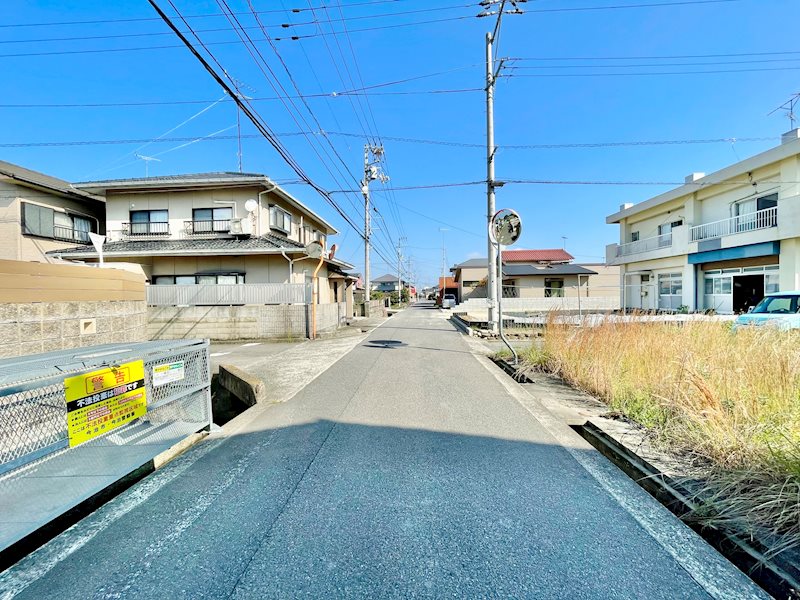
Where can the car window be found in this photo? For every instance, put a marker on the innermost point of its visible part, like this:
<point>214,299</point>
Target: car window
<point>777,305</point>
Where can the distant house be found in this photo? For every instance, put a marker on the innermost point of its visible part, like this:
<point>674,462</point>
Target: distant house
<point>386,283</point>
<point>215,229</point>
<point>39,213</point>
<point>546,273</point>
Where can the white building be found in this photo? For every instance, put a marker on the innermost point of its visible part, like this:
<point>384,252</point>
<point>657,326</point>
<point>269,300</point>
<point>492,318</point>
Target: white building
<point>720,242</point>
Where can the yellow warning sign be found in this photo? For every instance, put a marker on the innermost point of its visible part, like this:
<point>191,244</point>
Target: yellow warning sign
<point>101,401</point>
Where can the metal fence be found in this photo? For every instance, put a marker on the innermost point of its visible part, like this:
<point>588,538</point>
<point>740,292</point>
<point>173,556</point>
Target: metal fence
<point>761,219</point>
<point>35,451</point>
<point>227,295</point>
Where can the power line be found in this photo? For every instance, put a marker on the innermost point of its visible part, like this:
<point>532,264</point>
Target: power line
<point>228,43</point>
<point>331,95</point>
<point>725,140</point>
<point>706,72</point>
<point>658,57</point>
<point>221,29</point>
<point>198,16</point>
<point>675,64</point>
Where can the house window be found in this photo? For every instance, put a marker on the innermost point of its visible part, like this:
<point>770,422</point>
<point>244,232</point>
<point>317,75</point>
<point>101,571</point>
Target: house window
<point>634,236</point>
<point>200,279</point>
<point>553,288</point>
<point>280,219</point>
<point>211,220</point>
<point>307,235</point>
<point>471,284</point>
<point>149,222</point>
<point>46,222</point>
<point>670,290</point>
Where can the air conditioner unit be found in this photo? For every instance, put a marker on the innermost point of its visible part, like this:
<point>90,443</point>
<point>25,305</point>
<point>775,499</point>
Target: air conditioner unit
<point>241,226</point>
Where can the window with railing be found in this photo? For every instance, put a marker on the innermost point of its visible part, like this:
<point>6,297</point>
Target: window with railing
<point>147,222</point>
<point>46,222</point>
<point>210,220</point>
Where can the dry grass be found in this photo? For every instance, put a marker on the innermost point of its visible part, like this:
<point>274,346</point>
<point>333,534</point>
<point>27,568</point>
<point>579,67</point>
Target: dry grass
<point>731,399</point>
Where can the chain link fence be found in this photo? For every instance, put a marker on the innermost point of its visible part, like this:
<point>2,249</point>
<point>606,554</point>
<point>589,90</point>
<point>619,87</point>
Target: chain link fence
<point>36,456</point>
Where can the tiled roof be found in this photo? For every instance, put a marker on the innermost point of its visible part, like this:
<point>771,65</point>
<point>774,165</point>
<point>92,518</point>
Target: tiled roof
<point>557,269</point>
<point>185,177</point>
<point>472,263</point>
<point>156,247</point>
<point>550,255</point>
<point>385,279</point>
<point>46,181</point>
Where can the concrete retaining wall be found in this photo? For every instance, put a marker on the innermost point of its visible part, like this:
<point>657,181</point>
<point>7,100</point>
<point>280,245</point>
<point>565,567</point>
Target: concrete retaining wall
<point>590,304</point>
<point>239,322</point>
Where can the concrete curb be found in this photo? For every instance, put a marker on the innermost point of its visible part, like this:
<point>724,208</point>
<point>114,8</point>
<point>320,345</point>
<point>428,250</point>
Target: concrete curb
<point>246,387</point>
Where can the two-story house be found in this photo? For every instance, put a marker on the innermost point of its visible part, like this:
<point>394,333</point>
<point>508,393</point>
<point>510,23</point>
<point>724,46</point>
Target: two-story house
<point>386,283</point>
<point>39,213</point>
<point>544,273</point>
<point>719,242</point>
<point>213,229</point>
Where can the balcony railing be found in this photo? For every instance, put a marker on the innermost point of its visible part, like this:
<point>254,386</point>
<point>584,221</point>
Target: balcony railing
<point>145,229</point>
<point>761,219</point>
<point>207,227</point>
<point>645,245</point>
<point>227,295</point>
<point>68,234</point>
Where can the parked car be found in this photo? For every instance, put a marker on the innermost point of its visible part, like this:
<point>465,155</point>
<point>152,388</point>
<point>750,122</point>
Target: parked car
<point>449,301</point>
<point>779,309</point>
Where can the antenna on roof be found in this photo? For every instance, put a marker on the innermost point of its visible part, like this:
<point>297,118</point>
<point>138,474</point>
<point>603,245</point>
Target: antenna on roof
<point>788,108</point>
<point>146,160</point>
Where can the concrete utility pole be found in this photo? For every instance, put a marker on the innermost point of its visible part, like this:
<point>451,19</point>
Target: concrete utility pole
<point>371,173</point>
<point>492,73</point>
<point>400,270</point>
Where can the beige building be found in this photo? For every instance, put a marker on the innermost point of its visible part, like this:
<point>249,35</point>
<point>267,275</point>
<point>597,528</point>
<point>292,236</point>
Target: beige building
<point>217,231</point>
<point>39,213</point>
<point>538,274</point>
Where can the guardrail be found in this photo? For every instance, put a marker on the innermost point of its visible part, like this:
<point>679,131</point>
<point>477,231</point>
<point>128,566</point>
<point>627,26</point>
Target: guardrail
<point>761,219</point>
<point>645,245</point>
<point>227,295</point>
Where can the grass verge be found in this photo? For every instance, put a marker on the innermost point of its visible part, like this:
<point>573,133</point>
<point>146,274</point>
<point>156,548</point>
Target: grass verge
<point>729,399</point>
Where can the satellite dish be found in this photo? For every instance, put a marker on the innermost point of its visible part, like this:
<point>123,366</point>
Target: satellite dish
<point>251,205</point>
<point>332,252</point>
<point>314,250</point>
<point>505,227</point>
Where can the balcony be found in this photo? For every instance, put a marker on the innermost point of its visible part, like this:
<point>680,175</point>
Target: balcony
<point>645,245</point>
<point>67,234</point>
<point>145,229</point>
<point>198,228</point>
<point>761,219</point>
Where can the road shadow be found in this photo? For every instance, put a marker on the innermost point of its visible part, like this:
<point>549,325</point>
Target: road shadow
<point>332,509</point>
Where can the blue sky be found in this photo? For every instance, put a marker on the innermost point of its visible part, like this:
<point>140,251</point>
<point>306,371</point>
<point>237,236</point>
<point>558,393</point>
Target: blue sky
<point>534,104</point>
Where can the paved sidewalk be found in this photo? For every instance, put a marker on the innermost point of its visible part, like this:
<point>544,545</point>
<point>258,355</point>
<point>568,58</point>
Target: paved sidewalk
<point>410,467</point>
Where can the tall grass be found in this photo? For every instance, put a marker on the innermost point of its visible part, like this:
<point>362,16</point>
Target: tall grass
<point>732,399</point>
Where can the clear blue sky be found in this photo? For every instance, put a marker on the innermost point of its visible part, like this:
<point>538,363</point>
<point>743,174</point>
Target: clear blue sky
<point>557,108</point>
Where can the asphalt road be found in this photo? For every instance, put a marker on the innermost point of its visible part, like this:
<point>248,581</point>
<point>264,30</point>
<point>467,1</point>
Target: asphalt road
<point>406,469</point>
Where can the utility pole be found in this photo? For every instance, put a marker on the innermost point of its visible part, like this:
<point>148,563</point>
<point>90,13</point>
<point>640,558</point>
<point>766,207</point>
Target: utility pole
<point>400,243</point>
<point>444,262</point>
<point>493,67</point>
<point>371,173</point>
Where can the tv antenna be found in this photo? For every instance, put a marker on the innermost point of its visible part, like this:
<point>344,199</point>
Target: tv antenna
<point>788,108</point>
<point>240,85</point>
<point>147,160</point>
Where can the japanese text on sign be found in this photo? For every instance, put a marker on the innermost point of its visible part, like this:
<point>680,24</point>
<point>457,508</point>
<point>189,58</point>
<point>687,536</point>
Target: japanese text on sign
<point>101,401</point>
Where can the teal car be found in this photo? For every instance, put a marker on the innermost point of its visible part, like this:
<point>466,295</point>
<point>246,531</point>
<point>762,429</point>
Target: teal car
<point>779,310</point>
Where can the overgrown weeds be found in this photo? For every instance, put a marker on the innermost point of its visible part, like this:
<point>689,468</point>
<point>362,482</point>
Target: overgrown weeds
<point>732,399</point>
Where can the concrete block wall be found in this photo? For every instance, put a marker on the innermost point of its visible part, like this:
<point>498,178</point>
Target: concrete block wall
<point>284,321</point>
<point>30,328</point>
